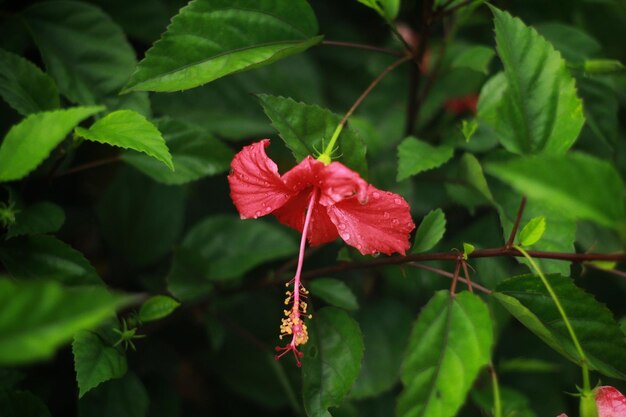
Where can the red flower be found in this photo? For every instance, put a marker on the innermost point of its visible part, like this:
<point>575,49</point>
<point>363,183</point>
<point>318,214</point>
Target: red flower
<point>462,105</point>
<point>344,205</point>
<point>323,202</point>
<point>610,402</point>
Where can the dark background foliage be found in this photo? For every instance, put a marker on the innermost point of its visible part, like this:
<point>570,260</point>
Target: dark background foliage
<point>213,355</point>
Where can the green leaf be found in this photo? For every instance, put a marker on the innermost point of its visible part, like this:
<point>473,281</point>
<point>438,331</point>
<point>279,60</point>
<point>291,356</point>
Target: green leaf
<point>537,109</point>
<point>83,49</point>
<point>527,365</point>
<point>22,404</point>
<point>533,231</point>
<point>577,184</point>
<point>559,237</point>
<point>430,231</point>
<point>472,188</point>
<point>129,130</point>
<point>468,249</point>
<point>386,326</point>
<point>195,154</point>
<point>331,361</point>
<point>574,43</point>
<point>334,292</point>
<point>95,362</point>
<point>42,217</point>
<point>157,307</point>
<point>307,128</point>
<point>29,142</point>
<point>415,156</point>
<point>123,397</point>
<point>476,58</point>
<point>209,39</point>
<point>222,249</point>
<point>40,316</point>
<point>141,226</point>
<point>24,86</point>
<point>450,342</point>
<point>526,298</point>
<point>388,9</point>
<point>468,128</point>
<point>513,403</point>
<point>603,66</point>
<point>46,257</point>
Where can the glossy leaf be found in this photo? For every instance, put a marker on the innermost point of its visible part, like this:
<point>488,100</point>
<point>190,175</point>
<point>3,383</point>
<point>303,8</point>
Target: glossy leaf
<point>415,156</point>
<point>195,154</point>
<point>600,337</point>
<point>475,57</point>
<point>334,292</point>
<point>141,226</point>
<point>209,39</point>
<point>307,128</point>
<point>40,316</point>
<point>29,142</point>
<point>450,342</point>
<point>129,130</point>
<point>556,180</point>
<point>22,404</point>
<point>123,397</point>
<point>388,9</point>
<point>95,362</point>
<point>24,86</point>
<point>42,217</point>
<point>209,253</point>
<point>157,307</point>
<point>532,232</point>
<point>559,235</point>
<point>46,257</point>
<point>430,231</point>
<point>83,49</point>
<point>386,326</point>
<point>331,362</point>
<point>537,109</point>
<point>471,188</point>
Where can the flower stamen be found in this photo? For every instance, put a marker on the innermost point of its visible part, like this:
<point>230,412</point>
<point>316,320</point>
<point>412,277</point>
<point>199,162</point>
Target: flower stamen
<point>292,324</point>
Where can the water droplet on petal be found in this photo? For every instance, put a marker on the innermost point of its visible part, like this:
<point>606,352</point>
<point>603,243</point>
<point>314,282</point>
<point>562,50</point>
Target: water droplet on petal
<point>376,195</point>
<point>242,217</point>
<point>395,222</point>
<point>359,247</point>
<point>341,226</point>
<point>376,254</point>
<point>397,201</point>
<point>409,224</point>
<point>345,236</point>
<point>268,209</point>
<point>258,213</point>
<point>386,215</point>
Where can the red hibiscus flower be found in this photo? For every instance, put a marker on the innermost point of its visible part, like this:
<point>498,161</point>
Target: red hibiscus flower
<point>610,402</point>
<point>324,202</point>
<point>462,105</point>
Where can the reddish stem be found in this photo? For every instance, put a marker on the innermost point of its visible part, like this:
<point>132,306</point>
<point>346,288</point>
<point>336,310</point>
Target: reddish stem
<point>518,219</point>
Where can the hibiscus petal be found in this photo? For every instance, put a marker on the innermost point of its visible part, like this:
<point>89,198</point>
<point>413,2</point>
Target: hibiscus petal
<point>255,185</point>
<point>610,402</point>
<point>382,224</point>
<point>321,229</point>
<point>304,175</point>
<point>339,182</point>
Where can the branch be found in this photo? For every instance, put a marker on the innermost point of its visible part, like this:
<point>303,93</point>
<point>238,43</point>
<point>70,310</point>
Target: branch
<point>90,165</point>
<point>518,219</point>
<point>364,46</point>
<point>452,256</point>
<point>446,274</point>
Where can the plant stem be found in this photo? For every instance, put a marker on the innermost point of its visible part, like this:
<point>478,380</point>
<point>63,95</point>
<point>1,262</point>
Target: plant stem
<point>570,329</point>
<point>447,274</point>
<point>331,144</point>
<point>518,219</point>
<point>497,406</point>
<point>363,46</point>
<point>90,165</point>
<point>451,256</point>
